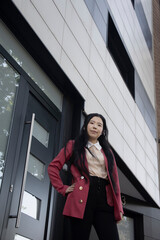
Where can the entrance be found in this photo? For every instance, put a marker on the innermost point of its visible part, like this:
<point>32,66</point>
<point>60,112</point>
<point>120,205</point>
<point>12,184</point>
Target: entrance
<point>30,198</point>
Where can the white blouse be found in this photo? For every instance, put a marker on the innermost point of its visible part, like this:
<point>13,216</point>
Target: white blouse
<point>96,163</point>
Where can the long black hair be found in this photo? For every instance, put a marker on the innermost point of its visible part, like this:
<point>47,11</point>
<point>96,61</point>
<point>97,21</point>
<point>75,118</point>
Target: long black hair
<point>78,155</point>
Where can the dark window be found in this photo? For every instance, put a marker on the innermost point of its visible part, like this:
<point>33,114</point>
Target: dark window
<point>132,2</point>
<point>120,56</point>
<point>131,227</point>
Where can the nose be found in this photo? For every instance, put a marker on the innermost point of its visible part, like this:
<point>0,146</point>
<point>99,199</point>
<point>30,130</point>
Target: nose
<point>95,126</point>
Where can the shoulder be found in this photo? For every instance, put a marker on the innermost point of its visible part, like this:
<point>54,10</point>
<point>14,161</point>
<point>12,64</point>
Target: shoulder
<point>70,145</point>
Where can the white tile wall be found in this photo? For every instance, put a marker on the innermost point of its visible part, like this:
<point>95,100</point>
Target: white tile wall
<point>141,173</point>
<point>92,104</point>
<point>116,116</point>
<point>98,88</point>
<point>129,117</point>
<point>129,136</point>
<point>79,32</point>
<point>78,47</point>
<point>115,137</point>
<point>150,168</point>
<point>35,20</point>
<point>134,40</point>
<point>140,154</point>
<point>98,42</point>
<point>149,152</point>
<point>84,15</point>
<point>73,74</point>
<point>151,187</point>
<point>61,5</point>
<point>129,158</point>
<point>96,61</point>
<point>115,94</point>
<point>75,53</point>
<point>140,135</point>
<point>115,74</point>
<point>52,18</point>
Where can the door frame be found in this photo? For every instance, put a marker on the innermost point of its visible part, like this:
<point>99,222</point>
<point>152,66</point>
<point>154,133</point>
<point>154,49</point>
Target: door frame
<point>17,127</point>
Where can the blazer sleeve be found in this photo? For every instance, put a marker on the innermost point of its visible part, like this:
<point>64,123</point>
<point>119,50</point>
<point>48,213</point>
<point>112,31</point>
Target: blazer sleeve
<point>56,165</point>
<point>116,179</point>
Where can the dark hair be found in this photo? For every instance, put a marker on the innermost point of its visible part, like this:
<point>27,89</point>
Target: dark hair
<point>78,155</point>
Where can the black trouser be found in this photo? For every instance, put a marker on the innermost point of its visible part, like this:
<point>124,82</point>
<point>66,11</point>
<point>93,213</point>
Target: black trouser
<point>97,213</point>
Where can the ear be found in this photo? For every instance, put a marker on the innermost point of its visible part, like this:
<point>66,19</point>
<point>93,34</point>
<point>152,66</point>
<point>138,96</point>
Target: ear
<point>104,132</point>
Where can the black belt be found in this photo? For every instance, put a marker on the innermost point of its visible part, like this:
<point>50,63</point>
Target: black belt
<point>103,181</point>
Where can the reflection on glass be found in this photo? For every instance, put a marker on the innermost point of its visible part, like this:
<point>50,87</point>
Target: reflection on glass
<point>126,229</point>
<point>19,237</point>
<point>31,205</point>
<point>40,134</point>
<point>9,79</point>
<point>36,167</point>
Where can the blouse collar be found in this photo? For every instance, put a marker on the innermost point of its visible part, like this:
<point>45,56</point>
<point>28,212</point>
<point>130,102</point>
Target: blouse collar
<point>97,145</point>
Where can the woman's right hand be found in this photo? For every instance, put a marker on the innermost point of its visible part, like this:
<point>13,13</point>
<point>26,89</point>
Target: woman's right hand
<point>70,188</point>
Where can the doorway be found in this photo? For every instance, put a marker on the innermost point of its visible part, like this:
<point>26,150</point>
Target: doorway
<point>28,210</point>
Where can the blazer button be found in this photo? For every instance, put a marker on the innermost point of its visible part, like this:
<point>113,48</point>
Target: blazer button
<point>80,188</point>
<point>82,177</point>
<point>81,201</point>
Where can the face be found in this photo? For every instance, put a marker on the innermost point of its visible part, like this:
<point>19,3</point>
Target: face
<point>94,129</point>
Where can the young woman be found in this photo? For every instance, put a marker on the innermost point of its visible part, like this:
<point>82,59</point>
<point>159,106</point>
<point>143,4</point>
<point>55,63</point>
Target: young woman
<point>94,197</point>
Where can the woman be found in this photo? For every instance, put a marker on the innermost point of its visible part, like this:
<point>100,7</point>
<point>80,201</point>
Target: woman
<point>94,197</point>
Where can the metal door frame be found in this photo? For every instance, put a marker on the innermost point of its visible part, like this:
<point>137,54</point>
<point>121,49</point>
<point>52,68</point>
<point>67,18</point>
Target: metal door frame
<point>26,85</point>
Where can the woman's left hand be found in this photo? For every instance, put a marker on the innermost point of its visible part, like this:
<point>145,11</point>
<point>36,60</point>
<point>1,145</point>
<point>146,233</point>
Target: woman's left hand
<point>70,188</point>
<point>121,217</point>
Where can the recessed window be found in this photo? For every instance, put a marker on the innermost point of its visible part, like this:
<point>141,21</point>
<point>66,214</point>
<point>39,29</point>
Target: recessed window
<point>31,205</point>
<point>41,134</point>
<point>120,56</point>
<point>126,228</point>
<point>9,83</point>
<point>19,237</point>
<point>36,167</point>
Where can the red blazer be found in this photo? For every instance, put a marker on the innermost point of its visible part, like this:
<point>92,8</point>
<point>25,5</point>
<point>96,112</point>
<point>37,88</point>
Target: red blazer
<point>76,200</point>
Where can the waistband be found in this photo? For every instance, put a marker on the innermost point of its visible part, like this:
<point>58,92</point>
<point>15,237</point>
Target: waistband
<point>95,179</point>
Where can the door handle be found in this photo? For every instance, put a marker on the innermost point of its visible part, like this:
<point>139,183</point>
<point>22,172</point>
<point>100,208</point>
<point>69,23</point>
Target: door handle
<point>25,171</point>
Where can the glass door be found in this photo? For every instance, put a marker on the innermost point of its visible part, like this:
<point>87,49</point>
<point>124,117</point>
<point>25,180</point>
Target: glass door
<point>30,199</point>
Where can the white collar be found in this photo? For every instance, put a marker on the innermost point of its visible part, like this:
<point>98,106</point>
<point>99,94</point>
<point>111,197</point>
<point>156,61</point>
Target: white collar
<point>97,145</point>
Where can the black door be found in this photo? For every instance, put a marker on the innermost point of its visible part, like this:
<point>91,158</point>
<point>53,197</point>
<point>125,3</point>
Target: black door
<point>30,197</point>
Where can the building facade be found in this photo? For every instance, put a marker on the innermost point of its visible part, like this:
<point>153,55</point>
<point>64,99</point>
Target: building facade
<point>60,60</point>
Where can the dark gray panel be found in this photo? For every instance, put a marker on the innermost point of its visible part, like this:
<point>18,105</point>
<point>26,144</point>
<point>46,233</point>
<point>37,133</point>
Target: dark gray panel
<point>90,4</point>
<point>99,14</point>
<point>151,228</point>
<point>150,123</point>
<point>139,103</point>
<point>127,187</point>
<point>103,9</point>
<point>98,18</point>
<point>148,238</point>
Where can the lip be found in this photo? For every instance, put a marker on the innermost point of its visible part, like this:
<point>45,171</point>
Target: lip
<point>94,132</point>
